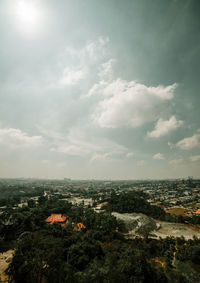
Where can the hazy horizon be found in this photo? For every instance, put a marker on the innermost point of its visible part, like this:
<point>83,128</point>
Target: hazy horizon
<point>99,89</point>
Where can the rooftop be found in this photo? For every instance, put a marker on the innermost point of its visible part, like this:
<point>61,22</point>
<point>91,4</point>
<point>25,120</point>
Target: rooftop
<point>56,218</point>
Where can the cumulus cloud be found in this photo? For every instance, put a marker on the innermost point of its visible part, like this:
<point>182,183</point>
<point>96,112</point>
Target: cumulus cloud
<point>163,127</point>
<point>129,103</point>
<point>16,138</point>
<point>195,158</point>
<point>189,143</point>
<point>96,88</point>
<point>158,156</point>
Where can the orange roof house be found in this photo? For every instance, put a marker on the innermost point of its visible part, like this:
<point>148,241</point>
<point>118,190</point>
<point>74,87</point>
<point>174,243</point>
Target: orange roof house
<point>198,211</point>
<point>56,218</point>
<point>79,226</point>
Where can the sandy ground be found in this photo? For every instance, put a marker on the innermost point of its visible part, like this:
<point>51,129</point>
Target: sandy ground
<point>164,229</point>
<point>177,230</point>
<point>5,259</point>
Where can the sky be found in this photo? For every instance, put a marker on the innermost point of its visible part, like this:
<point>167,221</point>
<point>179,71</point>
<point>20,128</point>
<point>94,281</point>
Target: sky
<point>99,89</point>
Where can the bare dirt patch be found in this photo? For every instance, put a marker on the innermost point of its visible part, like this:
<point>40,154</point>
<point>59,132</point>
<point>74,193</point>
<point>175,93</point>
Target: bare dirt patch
<point>177,210</point>
<point>168,229</point>
<point>5,259</point>
<point>138,222</point>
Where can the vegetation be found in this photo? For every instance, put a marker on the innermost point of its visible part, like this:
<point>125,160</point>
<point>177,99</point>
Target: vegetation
<point>136,202</point>
<point>133,202</point>
<point>99,253</point>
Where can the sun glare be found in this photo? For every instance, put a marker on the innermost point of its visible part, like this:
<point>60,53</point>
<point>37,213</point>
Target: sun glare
<point>28,16</point>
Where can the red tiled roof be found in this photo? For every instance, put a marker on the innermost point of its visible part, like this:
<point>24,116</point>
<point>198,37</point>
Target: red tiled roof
<point>56,218</point>
<point>198,211</point>
<point>80,226</point>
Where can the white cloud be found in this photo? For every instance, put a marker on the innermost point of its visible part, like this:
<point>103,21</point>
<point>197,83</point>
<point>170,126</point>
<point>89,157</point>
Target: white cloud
<point>96,49</point>
<point>92,51</point>
<point>163,127</point>
<point>16,138</point>
<point>159,156</point>
<point>108,156</point>
<point>72,149</point>
<point>129,103</point>
<point>97,88</point>
<point>195,158</point>
<point>82,66</point>
<point>72,77</point>
<point>106,70</point>
<point>189,143</point>
<point>171,145</point>
<point>176,162</point>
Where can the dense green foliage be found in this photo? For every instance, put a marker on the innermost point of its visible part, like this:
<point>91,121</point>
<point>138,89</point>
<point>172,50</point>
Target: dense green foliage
<point>135,202</point>
<point>132,202</point>
<point>99,253</point>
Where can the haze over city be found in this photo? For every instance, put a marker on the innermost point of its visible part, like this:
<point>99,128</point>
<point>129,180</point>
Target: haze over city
<point>99,89</point>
